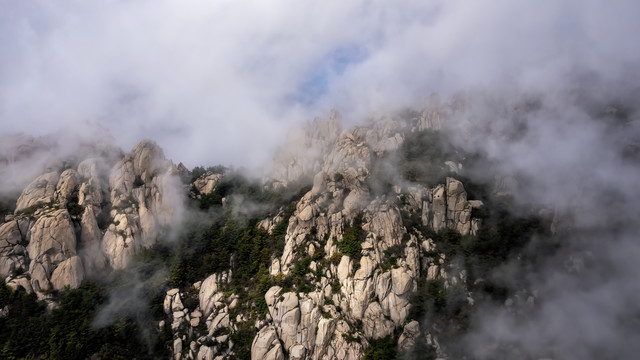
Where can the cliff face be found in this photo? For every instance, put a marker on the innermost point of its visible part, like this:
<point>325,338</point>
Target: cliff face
<point>91,215</point>
<point>357,255</point>
<point>351,263</point>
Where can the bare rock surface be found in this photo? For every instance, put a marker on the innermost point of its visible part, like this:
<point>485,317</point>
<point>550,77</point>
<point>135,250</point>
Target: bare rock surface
<point>40,191</point>
<point>91,213</point>
<point>206,183</point>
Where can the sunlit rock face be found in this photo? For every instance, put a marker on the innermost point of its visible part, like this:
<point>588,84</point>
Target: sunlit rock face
<point>351,300</point>
<point>92,213</point>
<point>143,192</point>
<point>98,213</point>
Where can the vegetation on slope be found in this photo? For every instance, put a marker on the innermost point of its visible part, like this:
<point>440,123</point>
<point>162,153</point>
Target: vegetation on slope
<point>68,332</point>
<point>228,238</point>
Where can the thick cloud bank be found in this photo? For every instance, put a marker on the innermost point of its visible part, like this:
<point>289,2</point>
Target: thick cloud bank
<point>573,150</point>
<point>221,81</point>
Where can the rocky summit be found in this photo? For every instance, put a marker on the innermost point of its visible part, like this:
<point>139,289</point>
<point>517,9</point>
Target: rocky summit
<point>74,222</point>
<point>372,241</point>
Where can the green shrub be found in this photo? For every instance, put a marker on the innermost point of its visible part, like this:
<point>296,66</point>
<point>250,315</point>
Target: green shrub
<point>328,301</point>
<point>351,239</point>
<point>392,255</point>
<point>335,258</point>
<point>208,200</point>
<point>302,267</point>
<point>335,286</point>
<point>242,340</point>
<point>381,349</point>
<point>349,338</point>
<point>67,332</point>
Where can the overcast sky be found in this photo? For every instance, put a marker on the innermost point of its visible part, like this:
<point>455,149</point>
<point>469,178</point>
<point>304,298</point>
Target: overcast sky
<point>221,81</point>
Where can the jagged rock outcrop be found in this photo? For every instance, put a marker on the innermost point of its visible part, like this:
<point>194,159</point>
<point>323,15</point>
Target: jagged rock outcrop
<point>12,249</point>
<point>51,242</point>
<point>90,239</point>
<point>266,345</point>
<point>209,324</point>
<point>144,192</point>
<point>210,292</point>
<point>409,335</point>
<point>68,273</point>
<point>40,192</point>
<point>362,249</point>
<point>206,183</point>
<point>367,296</point>
<point>91,213</point>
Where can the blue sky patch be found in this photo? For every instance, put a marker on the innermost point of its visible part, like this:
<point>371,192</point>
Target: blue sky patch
<point>318,79</point>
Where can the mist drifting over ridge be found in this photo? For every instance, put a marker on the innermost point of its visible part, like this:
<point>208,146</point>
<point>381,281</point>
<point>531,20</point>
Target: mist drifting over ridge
<point>551,92</point>
<point>228,78</point>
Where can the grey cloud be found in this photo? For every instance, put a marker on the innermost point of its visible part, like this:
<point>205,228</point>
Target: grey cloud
<point>569,149</point>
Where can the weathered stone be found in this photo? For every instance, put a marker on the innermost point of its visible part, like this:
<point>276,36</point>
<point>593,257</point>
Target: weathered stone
<point>344,268</point>
<point>120,241</point>
<point>10,238</point>
<point>176,304</point>
<point>166,306</point>
<point>206,183</point>
<point>68,273</point>
<point>209,294</point>
<point>402,281</point>
<point>205,353</point>
<point>65,187</point>
<point>374,324</point>
<point>194,322</point>
<point>145,196</point>
<point>90,235</point>
<point>40,191</point>
<point>177,349</point>
<point>285,314</point>
<point>439,208</point>
<point>266,340</point>
<point>297,352</point>
<point>172,292</point>
<point>52,241</point>
<point>220,321</point>
<point>20,281</point>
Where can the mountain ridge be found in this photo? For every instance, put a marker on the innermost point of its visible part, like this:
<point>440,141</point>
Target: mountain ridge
<point>373,241</point>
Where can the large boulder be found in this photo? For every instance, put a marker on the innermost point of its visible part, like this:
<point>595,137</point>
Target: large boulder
<point>266,345</point>
<point>68,273</point>
<point>375,324</point>
<point>65,187</point>
<point>206,183</point>
<point>11,250</point>
<point>40,191</point>
<point>145,197</point>
<point>52,241</point>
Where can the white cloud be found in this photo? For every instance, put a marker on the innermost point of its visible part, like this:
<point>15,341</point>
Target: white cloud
<point>214,81</point>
